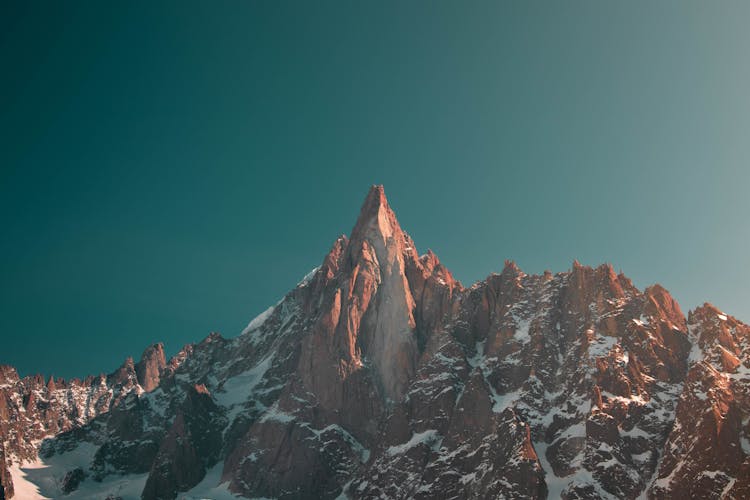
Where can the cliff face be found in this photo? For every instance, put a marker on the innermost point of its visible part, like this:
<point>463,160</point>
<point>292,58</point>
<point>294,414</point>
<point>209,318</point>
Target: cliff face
<point>380,375</point>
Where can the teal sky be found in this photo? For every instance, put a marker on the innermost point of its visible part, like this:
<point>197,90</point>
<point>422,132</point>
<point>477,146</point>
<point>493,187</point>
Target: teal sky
<point>172,169</point>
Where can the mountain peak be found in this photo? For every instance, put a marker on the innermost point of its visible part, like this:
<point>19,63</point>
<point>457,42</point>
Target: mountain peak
<point>371,269</point>
<point>375,201</point>
<point>383,367</point>
<point>149,368</point>
<point>377,194</point>
<point>376,217</point>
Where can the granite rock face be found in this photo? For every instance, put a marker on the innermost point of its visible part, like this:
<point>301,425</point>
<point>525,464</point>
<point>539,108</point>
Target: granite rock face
<point>381,376</point>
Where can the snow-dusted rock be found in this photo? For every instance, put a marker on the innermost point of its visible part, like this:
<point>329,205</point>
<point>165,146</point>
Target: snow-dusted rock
<point>380,375</point>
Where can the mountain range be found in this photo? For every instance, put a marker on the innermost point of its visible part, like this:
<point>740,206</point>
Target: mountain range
<point>381,376</point>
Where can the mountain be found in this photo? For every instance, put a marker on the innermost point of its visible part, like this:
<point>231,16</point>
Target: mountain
<point>382,376</point>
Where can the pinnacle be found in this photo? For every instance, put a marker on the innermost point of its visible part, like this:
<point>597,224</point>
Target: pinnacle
<point>707,308</point>
<point>376,213</point>
<point>373,202</point>
<point>430,258</point>
<point>377,191</point>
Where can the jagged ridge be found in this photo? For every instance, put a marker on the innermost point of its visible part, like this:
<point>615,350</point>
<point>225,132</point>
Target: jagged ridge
<point>381,375</point>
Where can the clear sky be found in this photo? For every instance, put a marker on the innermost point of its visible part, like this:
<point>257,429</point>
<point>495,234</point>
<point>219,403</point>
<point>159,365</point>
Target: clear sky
<point>168,170</point>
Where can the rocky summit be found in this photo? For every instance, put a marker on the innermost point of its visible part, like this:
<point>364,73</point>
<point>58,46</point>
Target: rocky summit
<point>381,376</point>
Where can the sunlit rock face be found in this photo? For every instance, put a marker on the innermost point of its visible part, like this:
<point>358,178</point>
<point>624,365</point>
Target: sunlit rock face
<point>381,376</point>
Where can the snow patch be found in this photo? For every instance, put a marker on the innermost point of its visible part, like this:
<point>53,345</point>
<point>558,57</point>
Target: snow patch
<point>258,321</point>
<point>745,445</point>
<point>274,414</point>
<point>42,478</point>
<point>502,401</point>
<point>237,390</point>
<point>696,353</point>
<point>555,484</point>
<point>430,438</point>
<point>357,447</point>
<point>601,345</point>
<point>522,331</point>
<point>211,487</point>
<point>308,277</point>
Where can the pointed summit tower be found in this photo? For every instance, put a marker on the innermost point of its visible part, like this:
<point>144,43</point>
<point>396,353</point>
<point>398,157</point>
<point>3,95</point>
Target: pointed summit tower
<point>368,316</point>
<point>387,333</point>
<point>376,219</point>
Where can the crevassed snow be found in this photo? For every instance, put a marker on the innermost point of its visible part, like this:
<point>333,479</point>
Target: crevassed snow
<point>430,438</point>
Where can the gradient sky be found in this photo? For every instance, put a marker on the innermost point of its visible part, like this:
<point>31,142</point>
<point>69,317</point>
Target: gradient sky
<point>172,168</point>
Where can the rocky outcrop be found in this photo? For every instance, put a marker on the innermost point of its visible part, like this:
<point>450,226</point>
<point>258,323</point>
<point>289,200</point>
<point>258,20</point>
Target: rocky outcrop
<point>380,375</point>
<point>32,409</point>
<point>6,482</point>
<point>72,480</point>
<point>149,368</point>
<point>708,451</point>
